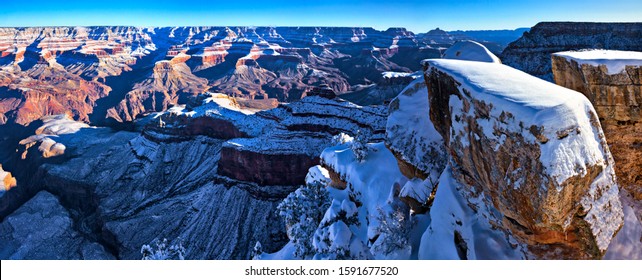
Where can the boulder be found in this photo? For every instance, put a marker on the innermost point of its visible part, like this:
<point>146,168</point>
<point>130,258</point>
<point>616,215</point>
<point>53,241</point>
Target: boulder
<point>531,152</point>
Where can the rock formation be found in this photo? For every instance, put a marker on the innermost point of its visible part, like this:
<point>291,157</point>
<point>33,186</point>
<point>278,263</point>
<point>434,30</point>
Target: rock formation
<point>531,53</point>
<point>531,153</point>
<point>293,137</point>
<point>105,75</point>
<point>612,81</point>
<point>6,180</point>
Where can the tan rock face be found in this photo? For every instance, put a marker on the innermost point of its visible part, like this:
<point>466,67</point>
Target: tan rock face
<point>510,168</point>
<point>617,99</point>
<point>6,180</point>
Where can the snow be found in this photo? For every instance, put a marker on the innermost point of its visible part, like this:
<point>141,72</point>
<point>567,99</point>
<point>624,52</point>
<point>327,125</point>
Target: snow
<point>390,74</point>
<point>418,144</point>
<point>317,174</point>
<point>377,180</point>
<point>470,50</point>
<point>282,143</point>
<point>50,132</point>
<point>220,106</point>
<point>627,244</point>
<point>418,189</point>
<point>615,61</point>
<point>451,212</point>
<point>340,234</point>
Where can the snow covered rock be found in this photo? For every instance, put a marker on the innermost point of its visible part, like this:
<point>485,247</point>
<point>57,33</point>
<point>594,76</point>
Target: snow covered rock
<point>612,81</point>
<point>417,146</point>
<point>531,152</point>
<point>292,137</point>
<point>48,135</point>
<point>470,50</point>
<point>42,229</point>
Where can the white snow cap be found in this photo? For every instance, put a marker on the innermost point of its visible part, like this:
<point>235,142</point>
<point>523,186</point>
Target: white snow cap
<point>472,51</point>
<point>615,61</point>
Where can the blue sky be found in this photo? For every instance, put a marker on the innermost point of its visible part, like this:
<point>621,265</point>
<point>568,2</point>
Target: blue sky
<point>417,16</point>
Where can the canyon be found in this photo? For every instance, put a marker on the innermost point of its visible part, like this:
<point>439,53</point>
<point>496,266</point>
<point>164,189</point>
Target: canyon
<point>414,146</point>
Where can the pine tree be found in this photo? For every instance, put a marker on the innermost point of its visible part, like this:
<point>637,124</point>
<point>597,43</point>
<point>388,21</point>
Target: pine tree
<point>359,145</point>
<point>302,211</point>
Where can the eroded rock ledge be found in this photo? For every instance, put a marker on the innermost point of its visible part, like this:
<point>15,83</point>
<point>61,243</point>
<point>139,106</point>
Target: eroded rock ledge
<point>530,151</point>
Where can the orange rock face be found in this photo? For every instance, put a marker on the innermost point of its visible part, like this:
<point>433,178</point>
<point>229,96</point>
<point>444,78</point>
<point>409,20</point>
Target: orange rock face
<point>617,98</point>
<point>6,180</point>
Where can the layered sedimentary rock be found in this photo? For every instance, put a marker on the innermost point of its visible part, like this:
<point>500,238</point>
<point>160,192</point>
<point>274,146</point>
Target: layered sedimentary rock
<point>530,156</point>
<point>293,137</point>
<point>170,82</point>
<point>116,74</point>
<point>612,81</point>
<point>277,159</point>
<point>531,53</point>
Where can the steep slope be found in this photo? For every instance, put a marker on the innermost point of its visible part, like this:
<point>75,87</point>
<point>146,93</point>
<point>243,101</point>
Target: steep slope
<point>43,229</point>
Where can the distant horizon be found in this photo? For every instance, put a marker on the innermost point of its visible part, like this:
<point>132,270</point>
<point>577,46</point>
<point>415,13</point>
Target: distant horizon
<point>273,26</point>
<point>418,16</point>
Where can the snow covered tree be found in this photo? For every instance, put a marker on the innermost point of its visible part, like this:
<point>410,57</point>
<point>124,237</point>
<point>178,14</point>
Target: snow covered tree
<point>257,251</point>
<point>359,145</point>
<point>341,138</point>
<point>302,211</point>
<point>394,233</point>
<point>162,251</point>
<point>335,239</point>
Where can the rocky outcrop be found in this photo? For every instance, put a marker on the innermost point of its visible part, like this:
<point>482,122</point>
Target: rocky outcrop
<point>532,52</point>
<point>614,88</point>
<point>530,153</point>
<point>294,136</point>
<point>612,81</point>
<point>6,180</point>
<point>43,229</point>
<point>278,160</point>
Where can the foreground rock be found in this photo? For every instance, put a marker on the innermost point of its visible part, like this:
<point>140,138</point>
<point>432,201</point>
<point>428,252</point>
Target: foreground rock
<point>43,229</point>
<point>612,81</point>
<point>532,52</point>
<point>530,153</point>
